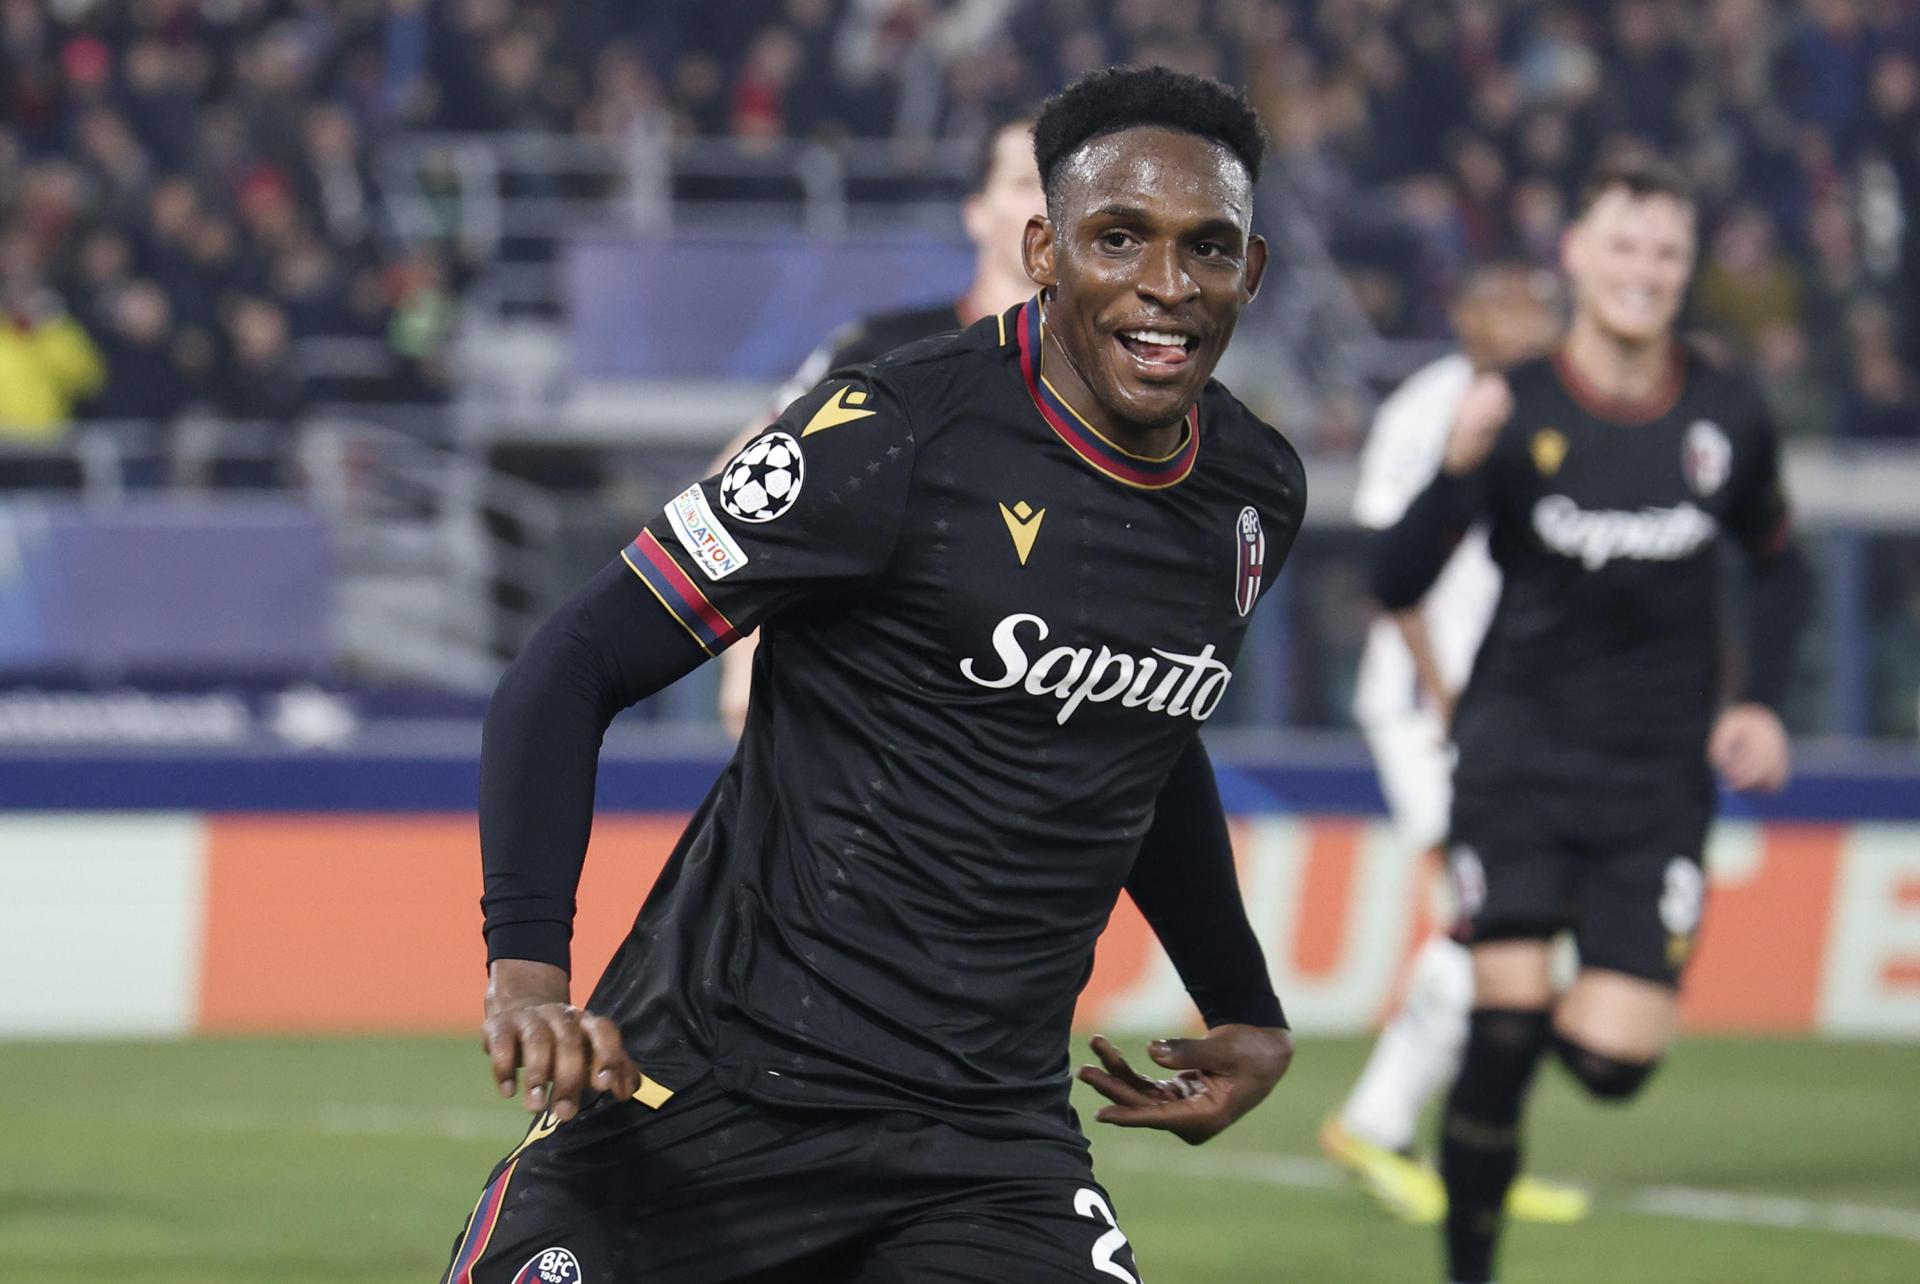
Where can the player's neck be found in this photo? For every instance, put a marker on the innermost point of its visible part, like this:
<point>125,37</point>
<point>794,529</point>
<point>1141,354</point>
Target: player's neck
<point>1149,441</point>
<point>1618,370</point>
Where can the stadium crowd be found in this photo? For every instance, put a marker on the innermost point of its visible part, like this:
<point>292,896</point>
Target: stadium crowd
<point>187,192</point>
<point>186,201</point>
<point>1429,134</point>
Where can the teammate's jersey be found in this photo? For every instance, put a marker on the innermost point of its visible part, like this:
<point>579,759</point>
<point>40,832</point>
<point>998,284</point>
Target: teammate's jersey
<point>1601,665</point>
<point>867,339</point>
<point>1401,456</point>
<point>987,634</point>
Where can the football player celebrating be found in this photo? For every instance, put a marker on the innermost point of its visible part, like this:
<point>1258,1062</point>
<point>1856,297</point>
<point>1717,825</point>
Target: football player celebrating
<point>1001,579</point>
<point>1410,675</point>
<point>1592,723</point>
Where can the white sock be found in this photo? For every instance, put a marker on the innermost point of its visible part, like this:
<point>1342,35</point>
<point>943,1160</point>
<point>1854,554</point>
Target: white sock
<point>1419,1051</point>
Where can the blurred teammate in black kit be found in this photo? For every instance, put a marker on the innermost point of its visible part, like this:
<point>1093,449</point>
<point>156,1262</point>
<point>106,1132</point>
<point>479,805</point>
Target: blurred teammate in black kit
<point>1001,579</point>
<point>1593,722</point>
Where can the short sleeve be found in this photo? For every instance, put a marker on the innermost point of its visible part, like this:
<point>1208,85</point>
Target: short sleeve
<point>812,505</point>
<point>1758,514</point>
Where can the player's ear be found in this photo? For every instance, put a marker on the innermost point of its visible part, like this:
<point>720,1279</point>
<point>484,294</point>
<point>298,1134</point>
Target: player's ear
<point>1256,265</point>
<point>1038,252</point>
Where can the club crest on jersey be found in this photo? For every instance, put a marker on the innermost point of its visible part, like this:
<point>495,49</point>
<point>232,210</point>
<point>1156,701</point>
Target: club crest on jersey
<point>1250,559</point>
<point>550,1266</point>
<point>1706,456</point>
<point>762,481</point>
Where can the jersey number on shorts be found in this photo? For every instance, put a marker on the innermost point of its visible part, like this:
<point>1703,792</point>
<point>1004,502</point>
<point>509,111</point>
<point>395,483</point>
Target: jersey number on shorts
<point>1088,1203</point>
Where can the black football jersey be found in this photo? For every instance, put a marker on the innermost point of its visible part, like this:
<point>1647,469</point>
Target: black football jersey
<point>1601,663</point>
<point>987,634</point>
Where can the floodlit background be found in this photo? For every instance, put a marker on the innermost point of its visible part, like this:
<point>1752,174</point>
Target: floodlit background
<point>341,339</point>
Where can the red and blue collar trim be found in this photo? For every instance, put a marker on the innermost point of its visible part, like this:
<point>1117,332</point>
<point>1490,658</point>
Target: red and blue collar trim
<point>1137,471</point>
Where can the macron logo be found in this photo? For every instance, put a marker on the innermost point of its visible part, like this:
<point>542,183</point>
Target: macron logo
<point>713,550</point>
<point>1180,686</point>
<point>1596,538</point>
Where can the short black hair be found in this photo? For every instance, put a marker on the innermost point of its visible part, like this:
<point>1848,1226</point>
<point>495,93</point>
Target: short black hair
<point>1641,172</point>
<point>1108,101</point>
<point>989,149</point>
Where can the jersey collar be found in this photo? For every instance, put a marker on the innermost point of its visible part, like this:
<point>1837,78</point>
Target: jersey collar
<point>1083,438</point>
<point>1624,410</point>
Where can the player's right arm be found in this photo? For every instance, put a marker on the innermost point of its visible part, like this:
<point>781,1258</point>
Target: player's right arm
<point>1410,554</point>
<point>608,647</point>
<point>778,525</point>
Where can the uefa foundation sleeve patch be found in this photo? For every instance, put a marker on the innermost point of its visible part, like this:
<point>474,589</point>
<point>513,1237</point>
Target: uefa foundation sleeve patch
<point>714,551</point>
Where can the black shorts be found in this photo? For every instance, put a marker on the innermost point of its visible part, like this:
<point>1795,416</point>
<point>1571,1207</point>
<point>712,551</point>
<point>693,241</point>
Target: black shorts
<point>1621,870</point>
<point>712,1187</point>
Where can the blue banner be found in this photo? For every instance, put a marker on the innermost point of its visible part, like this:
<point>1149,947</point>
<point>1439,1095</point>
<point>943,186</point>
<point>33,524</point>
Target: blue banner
<point>159,586</point>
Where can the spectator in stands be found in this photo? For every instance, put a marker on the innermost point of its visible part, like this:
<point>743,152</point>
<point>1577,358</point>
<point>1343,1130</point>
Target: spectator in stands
<point>514,93</point>
<point>421,326</point>
<point>259,382</point>
<point>333,179</point>
<point>1835,280</point>
<point>223,142</point>
<point>1830,57</point>
<point>757,111</point>
<point>1745,287</point>
<point>1896,110</point>
<point>163,82</point>
<point>1648,69</point>
<point>102,266</point>
<point>1883,403</point>
<point>47,362</point>
<point>1802,403</point>
<point>143,379</point>
<point>116,164</point>
<point>1539,215</point>
<point>1480,191</point>
<point>307,281</point>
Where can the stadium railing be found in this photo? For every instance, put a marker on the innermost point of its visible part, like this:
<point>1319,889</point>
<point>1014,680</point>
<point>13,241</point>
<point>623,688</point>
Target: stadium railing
<point>456,529</point>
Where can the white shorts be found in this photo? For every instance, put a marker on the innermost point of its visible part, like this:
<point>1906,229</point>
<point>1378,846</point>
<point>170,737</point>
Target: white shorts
<point>1415,763</point>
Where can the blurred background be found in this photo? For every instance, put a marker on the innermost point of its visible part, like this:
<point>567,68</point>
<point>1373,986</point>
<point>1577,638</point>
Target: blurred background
<point>447,295</point>
<point>342,339</point>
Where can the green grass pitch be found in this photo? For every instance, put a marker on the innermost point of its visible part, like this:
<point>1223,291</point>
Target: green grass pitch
<point>1748,1161</point>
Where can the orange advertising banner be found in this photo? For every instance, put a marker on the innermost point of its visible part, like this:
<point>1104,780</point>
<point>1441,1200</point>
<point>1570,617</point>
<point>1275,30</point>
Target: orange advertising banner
<point>343,922</point>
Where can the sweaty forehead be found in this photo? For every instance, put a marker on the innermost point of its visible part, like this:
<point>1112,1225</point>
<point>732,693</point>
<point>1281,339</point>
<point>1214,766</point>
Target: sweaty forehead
<point>1165,171</point>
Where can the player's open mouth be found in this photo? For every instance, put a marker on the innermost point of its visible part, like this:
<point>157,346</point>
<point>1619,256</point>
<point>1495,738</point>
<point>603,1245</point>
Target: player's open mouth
<point>1157,352</point>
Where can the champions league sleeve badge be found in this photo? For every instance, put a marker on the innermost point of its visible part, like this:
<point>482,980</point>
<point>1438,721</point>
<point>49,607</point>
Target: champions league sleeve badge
<point>1250,559</point>
<point>764,479</point>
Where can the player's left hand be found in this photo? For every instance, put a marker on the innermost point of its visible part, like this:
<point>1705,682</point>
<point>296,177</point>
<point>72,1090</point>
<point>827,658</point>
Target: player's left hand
<point>1749,748</point>
<point>1218,1079</point>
